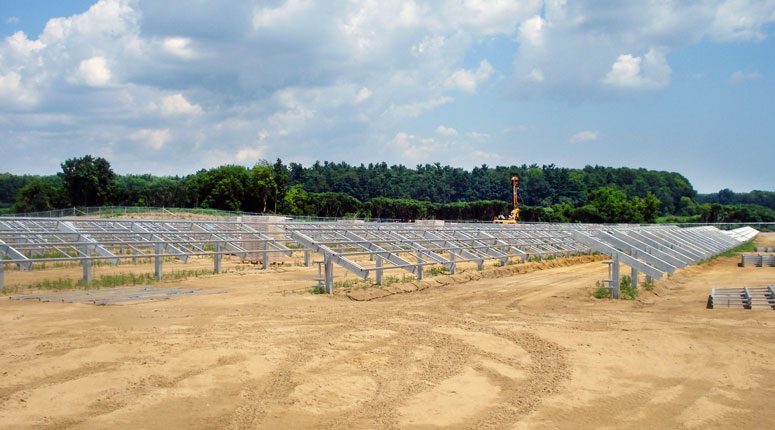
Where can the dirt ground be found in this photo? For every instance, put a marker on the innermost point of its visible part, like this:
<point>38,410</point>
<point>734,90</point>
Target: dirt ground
<point>530,350</point>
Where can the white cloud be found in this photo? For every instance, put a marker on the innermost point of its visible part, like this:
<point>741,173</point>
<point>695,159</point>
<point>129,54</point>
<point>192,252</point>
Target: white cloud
<point>476,135</point>
<point>740,76</point>
<point>250,154</point>
<point>94,72</point>
<point>584,136</point>
<point>485,155</point>
<point>418,149</point>
<point>446,131</point>
<point>177,104</point>
<point>535,75</point>
<point>531,30</point>
<point>329,78</point>
<point>12,20</point>
<point>22,45</point>
<point>179,47</point>
<point>648,72</point>
<point>13,93</point>
<point>363,95</point>
<point>468,80</point>
<point>152,139</point>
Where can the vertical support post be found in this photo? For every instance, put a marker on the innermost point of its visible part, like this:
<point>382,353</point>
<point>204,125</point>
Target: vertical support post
<point>87,266</point>
<point>265,255</point>
<point>217,257</point>
<point>649,279</point>
<point>307,258</point>
<point>2,277</point>
<point>378,272</point>
<point>452,264</point>
<point>419,266</point>
<point>134,256</point>
<point>329,263</point>
<point>479,264</point>
<point>615,277</point>
<point>158,261</point>
<point>634,277</point>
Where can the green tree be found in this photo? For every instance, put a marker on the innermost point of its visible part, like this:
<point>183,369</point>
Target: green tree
<point>297,201</point>
<point>39,195</point>
<point>262,185</point>
<point>88,181</point>
<point>280,176</point>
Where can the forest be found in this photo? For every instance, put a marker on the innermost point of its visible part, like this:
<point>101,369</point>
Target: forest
<point>546,193</point>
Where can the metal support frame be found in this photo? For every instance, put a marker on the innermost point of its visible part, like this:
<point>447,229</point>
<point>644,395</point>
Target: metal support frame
<point>329,274</point>
<point>158,261</point>
<point>615,277</point>
<point>217,257</point>
<point>378,272</point>
<point>419,270</point>
<point>634,277</point>
<point>86,263</point>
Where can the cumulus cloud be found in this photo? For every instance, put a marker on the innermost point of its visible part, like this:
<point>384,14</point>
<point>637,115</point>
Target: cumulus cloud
<point>531,31</point>
<point>446,131</point>
<point>94,72</point>
<point>20,44</point>
<point>648,72</point>
<point>740,76</point>
<point>418,149</point>
<point>13,93</point>
<point>363,95</point>
<point>584,136</point>
<point>583,49</point>
<point>152,139</point>
<point>468,80</point>
<point>248,154</point>
<point>179,47</point>
<point>326,78</point>
<point>177,104</point>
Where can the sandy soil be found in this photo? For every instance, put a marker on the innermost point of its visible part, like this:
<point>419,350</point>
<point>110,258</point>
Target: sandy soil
<point>529,350</point>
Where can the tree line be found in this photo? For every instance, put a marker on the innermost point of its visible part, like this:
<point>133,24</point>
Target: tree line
<point>547,193</point>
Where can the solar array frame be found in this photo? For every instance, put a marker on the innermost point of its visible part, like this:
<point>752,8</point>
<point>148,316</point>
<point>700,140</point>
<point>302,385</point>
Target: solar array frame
<point>653,249</point>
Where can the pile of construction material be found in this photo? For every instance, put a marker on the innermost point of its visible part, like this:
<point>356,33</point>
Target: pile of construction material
<point>757,260</point>
<point>745,297</point>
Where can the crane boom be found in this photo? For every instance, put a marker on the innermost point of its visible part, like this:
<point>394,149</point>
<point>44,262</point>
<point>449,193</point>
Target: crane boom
<point>514,215</point>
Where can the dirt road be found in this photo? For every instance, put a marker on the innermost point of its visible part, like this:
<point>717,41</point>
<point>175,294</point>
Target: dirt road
<point>526,351</point>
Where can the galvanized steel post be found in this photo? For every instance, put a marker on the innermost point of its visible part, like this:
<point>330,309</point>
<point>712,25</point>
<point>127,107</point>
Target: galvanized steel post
<point>158,260</point>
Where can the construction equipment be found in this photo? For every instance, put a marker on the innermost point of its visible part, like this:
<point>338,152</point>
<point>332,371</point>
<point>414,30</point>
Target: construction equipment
<point>513,217</point>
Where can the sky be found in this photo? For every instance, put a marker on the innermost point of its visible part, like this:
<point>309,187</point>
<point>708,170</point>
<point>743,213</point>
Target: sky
<point>171,87</point>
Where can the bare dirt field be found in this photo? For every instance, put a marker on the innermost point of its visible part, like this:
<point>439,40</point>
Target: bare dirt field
<point>529,350</point>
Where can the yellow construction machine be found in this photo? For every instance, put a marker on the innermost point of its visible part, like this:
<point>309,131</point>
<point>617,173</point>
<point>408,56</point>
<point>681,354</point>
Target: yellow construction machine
<point>513,217</point>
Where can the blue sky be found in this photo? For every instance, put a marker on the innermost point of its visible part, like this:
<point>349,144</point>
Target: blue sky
<point>171,87</point>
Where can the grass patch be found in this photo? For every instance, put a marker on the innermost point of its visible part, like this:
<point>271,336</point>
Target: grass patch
<point>626,290</point>
<point>601,291</point>
<point>745,247</point>
<point>318,290</point>
<point>116,280</point>
<point>648,285</point>
<point>436,270</point>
